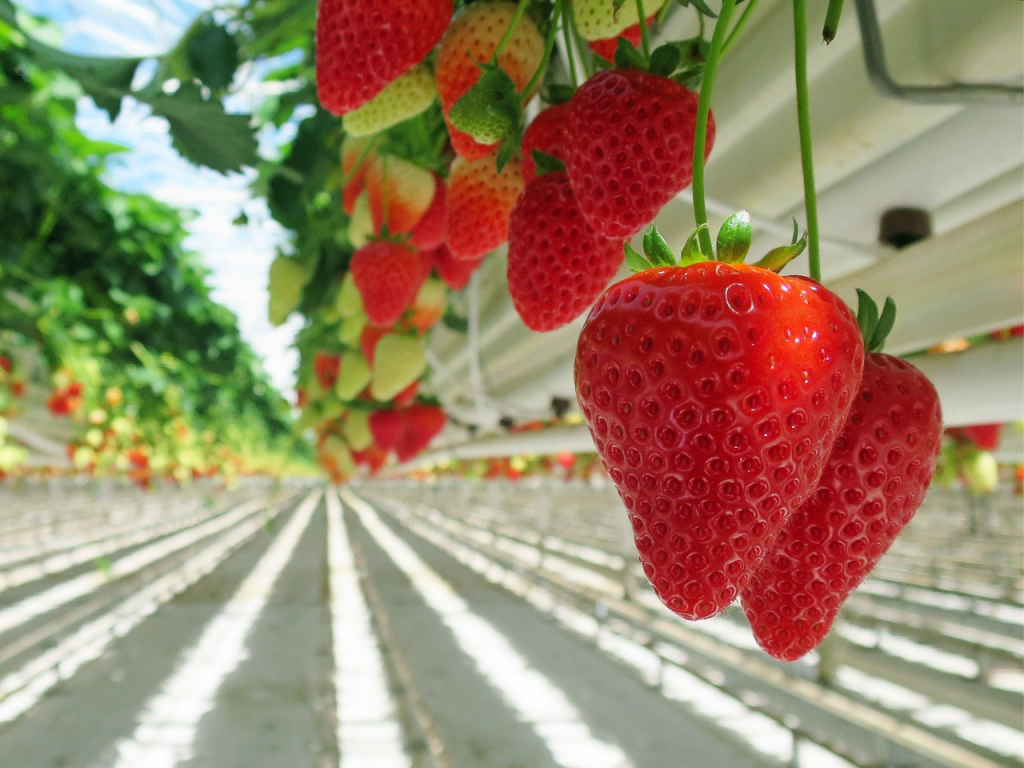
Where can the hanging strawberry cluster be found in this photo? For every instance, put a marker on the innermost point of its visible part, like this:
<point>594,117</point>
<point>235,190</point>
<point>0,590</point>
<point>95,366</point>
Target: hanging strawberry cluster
<point>764,447</point>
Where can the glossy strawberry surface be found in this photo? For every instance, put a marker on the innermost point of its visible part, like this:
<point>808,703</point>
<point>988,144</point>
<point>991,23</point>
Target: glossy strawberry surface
<point>632,147</point>
<point>362,45</point>
<point>557,264</point>
<point>455,272</point>
<point>714,394</point>
<point>874,482</point>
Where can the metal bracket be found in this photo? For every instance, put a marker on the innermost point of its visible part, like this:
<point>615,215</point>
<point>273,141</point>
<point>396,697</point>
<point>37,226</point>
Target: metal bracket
<point>955,93</point>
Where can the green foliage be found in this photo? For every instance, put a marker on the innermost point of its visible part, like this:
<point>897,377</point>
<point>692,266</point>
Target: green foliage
<point>98,281</point>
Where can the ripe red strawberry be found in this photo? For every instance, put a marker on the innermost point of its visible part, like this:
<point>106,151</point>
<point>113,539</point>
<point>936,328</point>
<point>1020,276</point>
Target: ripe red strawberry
<point>549,133</point>
<point>557,265</point>
<point>632,147</point>
<point>874,481</point>
<point>407,395</point>
<point>429,232</point>
<point>473,37</point>
<point>356,155</point>
<point>480,201</point>
<point>714,394</point>
<point>606,48</point>
<point>326,367</point>
<point>387,427</point>
<point>455,272</point>
<point>985,436</point>
<point>362,45</point>
<point>387,275</point>
<point>400,193</point>
<point>422,424</point>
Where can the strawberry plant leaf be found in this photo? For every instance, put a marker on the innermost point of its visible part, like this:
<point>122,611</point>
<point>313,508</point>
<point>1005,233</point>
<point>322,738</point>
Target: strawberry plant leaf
<point>666,59</point>
<point>626,56</point>
<point>635,261</point>
<point>734,238</point>
<point>867,316</point>
<point>700,6</point>
<point>777,258</point>
<point>656,249</point>
<point>692,254</point>
<point>546,163</point>
<point>454,322</point>
<point>212,54</point>
<point>204,133</point>
<point>884,327</point>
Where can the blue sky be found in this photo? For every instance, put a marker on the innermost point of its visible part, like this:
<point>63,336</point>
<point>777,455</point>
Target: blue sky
<point>239,257</point>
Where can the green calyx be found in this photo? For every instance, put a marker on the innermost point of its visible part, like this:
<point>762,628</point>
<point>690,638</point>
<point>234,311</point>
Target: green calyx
<point>545,163</point>
<point>681,60</point>
<point>732,245</point>
<point>875,327</point>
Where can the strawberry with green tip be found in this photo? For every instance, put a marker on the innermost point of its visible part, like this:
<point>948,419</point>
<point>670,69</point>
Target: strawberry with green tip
<point>356,155</point>
<point>348,302</point>
<point>429,305</point>
<point>473,37</point>
<point>480,201</point>
<point>400,193</point>
<point>360,225</point>
<point>398,361</point>
<point>403,98</point>
<point>874,481</point>
<point>714,393</point>
<point>387,275</point>
<point>606,48</point>
<point>428,233</point>
<point>362,45</point>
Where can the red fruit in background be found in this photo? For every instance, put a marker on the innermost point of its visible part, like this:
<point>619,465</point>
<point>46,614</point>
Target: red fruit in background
<point>473,37</point>
<point>356,156</point>
<point>566,459</point>
<point>480,202</point>
<point>422,424</point>
<point>387,276</point>
<point>368,340</point>
<point>429,232</point>
<point>606,48</point>
<point>455,272</point>
<point>631,148</point>
<point>362,45</point>
<point>372,458</point>
<point>387,427</point>
<point>1008,333</point>
<point>326,367</point>
<point>985,436</point>
<point>549,132</point>
<point>74,389</point>
<point>557,265</point>
<point>407,395</point>
<point>874,482</point>
<point>5,364</point>
<point>714,394</point>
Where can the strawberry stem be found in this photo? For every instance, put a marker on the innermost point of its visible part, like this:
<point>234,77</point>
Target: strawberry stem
<point>549,46</point>
<point>644,36</point>
<point>567,36</point>
<point>507,37</point>
<point>828,31</point>
<point>700,142</point>
<point>581,47</point>
<point>803,113</point>
<point>741,23</point>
